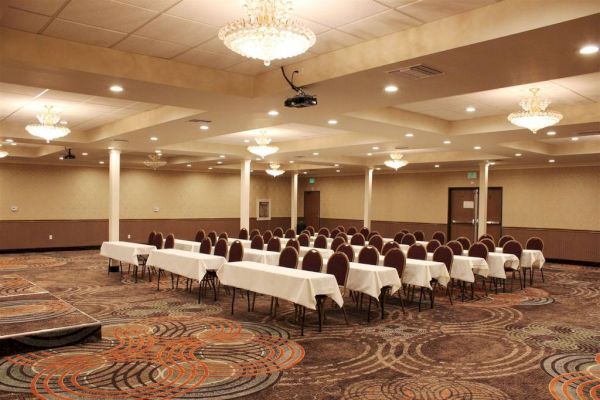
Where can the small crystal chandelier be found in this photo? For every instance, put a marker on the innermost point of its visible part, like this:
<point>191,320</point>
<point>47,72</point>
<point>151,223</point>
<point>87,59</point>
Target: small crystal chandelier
<point>50,126</point>
<point>274,170</point>
<point>268,32</point>
<point>263,147</point>
<point>534,115</point>
<point>155,162</point>
<point>395,161</point>
<point>3,153</point>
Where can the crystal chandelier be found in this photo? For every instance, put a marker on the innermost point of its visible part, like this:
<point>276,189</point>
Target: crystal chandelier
<point>268,32</point>
<point>274,170</point>
<point>154,161</point>
<point>263,147</point>
<point>3,153</point>
<point>395,161</point>
<point>534,115</point>
<point>50,126</point>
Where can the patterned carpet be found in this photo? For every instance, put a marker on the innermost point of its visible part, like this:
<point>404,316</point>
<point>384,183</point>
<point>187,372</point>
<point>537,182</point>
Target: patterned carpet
<point>540,343</point>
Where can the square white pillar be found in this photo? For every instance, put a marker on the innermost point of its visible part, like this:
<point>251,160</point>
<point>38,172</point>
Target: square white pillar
<point>483,198</point>
<point>368,197</point>
<point>294,205</point>
<point>114,183</point>
<point>245,194</point>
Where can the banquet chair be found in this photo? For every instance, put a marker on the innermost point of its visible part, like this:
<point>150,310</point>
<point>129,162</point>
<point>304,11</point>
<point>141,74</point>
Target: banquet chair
<point>371,234</point>
<point>236,251</point>
<point>212,235</point>
<point>200,235</point>
<point>439,236</point>
<point>324,232</point>
<point>503,239</point>
<point>307,233</point>
<point>513,247</point>
<point>445,255</point>
<point>303,240</point>
<point>223,235</point>
<point>396,259</point>
<point>419,235</point>
<point>368,255</point>
<point>205,246</point>
<point>456,247</point>
<point>293,243</point>
<point>158,240</point>
<point>347,250</point>
<point>243,234</point>
<point>351,231</point>
<point>142,259</point>
<point>337,242</point>
<point>288,257</point>
<point>278,232</point>
<point>364,231</point>
<point>274,244</point>
<point>377,242</point>
<point>464,241</point>
<point>486,236</point>
<point>257,243</point>
<point>254,232</point>
<point>221,248</point>
<point>480,250</point>
<point>398,237</point>
<point>338,266</point>
<point>267,235</point>
<point>432,245</point>
<point>170,241</point>
<point>151,238</point>
<point>342,235</point>
<point>312,261</point>
<point>409,239</point>
<point>334,233</point>
<point>290,234</point>
<point>340,228</point>
<point>405,231</point>
<point>535,243</point>
<point>417,252</point>
<point>357,240</point>
<point>388,246</point>
<point>489,243</point>
<point>320,242</point>
<point>311,229</point>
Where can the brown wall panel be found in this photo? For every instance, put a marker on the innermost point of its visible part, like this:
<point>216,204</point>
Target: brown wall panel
<point>65,233</point>
<point>282,222</point>
<point>181,228</point>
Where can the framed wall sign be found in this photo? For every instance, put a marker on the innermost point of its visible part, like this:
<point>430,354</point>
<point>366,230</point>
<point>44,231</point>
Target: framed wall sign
<point>263,209</point>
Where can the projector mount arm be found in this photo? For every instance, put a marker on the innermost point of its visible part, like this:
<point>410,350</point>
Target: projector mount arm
<point>291,81</point>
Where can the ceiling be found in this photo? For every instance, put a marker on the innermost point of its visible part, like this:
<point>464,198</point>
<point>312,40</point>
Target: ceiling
<point>186,79</point>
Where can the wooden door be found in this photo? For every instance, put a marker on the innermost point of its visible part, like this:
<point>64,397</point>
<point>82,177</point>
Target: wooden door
<point>494,212</point>
<point>312,209</point>
<point>462,213</point>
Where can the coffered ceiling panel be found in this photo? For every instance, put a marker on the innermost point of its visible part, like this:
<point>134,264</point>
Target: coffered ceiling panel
<point>334,13</point>
<point>209,12</point>
<point>155,5</point>
<point>150,47</point>
<point>45,7</point>
<point>430,10</point>
<point>106,14</point>
<point>379,25</point>
<point>24,20</point>
<point>333,40</point>
<point>95,36</point>
<point>177,30</point>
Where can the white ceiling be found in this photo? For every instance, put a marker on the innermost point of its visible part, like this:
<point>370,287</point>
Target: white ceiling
<point>185,30</point>
<point>279,134</point>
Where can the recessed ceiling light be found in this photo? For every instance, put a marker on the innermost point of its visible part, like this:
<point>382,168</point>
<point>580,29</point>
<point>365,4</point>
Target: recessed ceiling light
<point>204,127</point>
<point>588,49</point>
<point>13,143</point>
<point>409,134</point>
<point>116,88</point>
<point>437,165</point>
<point>246,140</point>
<point>336,165</point>
<point>189,165</point>
<point>375,147</point>
<point>574,138</point>
<point>447,142</point>
<point>273,113</point>
<point>551,161</point>
<point>257,159</point>
<point>315,154</point>
<point>221,156</point>
<point>100,162</point>
<point>332,122</point>
<point>61,158</point>
<point>337,170</point>
<point>369,154</point>
<point>64,122</point>
<point>470,109</point>
<point>158,151</point>
<point>378,168</point>
<point>476,147</point>
<point>111,148</point>
<point>219,162</point>
<point>305,172</point>
<point>154,138</point>
<point>518,154</point>
<point>551,133</point>
<point>391,89</point>
<point>492,163</point>
<point>209,167</point>
<point>84,154</point>
<point>9,140</point>
<point>291,161</point>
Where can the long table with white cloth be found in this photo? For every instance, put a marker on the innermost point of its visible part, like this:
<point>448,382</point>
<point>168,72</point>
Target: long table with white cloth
<point>126,252</point>
<point>185,263</point>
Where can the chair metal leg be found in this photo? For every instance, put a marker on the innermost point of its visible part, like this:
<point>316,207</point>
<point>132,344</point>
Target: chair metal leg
<point>431,296</point>
<point>382,300</point>
<point>248,296</point>
<point>158,280</point>
<point>401,301</point>
<point>233,300</point>
<point>542,272</point>
<point>303,315</point>
<point>450,290</point>
<point>420,298</point>
<point>369,311</point>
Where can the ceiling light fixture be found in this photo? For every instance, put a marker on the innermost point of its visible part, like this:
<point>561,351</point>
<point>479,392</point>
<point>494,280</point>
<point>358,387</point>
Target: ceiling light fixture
<point>518,154</point>
<point>221,156</point>
<point>534,115</point>
<point>84,154</point>
<point>574,139</point>
<point>101,162</point>
<point>470,109</point>
<point>447,142</point>
<point>375,147</point>
<point>9,140</point>
<point>189,165</point>
<point>273,113</point>
<point>219,162</point>
<point>588,49</point>
<point>291,161</point>
<point>337,170</point>
<point>551,133</point>
<point>437,165</point>
<point>154,138</point>
<point>395,161</point>
<point>551,161</point>
<point>336,165</point>
<point>268,32</point>
<point>204,127</point>
<point>332,122</point>
<point>476,147</point>
<point>409,135</point>
<point>116,88</point>
<point>210,167</point>
<point>13,143</point>
<point>315,154</point>
<point>246,140</point>
<point>3,154</point>
<point>369,154</point>
<point>49,127</point>
<point>391,89</point>
<point>304,173</point>
<point>263,146</point>
<point>274,170</point>
<point>378,168</point>
<point>158,151</point>
<point>154,161</point>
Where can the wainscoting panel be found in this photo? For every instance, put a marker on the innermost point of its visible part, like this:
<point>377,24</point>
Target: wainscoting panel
<point>16,235</point>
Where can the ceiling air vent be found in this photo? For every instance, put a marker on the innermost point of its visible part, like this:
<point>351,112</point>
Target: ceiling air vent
<point>200,120</point>
<point>401,147</point>
<point>419,71</point>
<point>588,133</point>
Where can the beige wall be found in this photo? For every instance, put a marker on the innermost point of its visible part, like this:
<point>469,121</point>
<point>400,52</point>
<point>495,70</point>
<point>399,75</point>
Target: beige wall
<point>277,189</point>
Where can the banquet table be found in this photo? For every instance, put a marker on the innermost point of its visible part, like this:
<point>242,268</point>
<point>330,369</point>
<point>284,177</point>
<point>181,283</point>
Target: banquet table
<point>421,272</point>
<point>497,261</point>
<point>187,245</point>
<point>529,258</point>
<point>325,253</point>
<point>370,279</point>
<point>261,256</point>
<point>245,243</point>
<point>404,247</point>
<point>126,252</point>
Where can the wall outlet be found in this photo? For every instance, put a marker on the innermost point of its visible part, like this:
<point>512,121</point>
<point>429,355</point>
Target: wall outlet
<point>156,209</point>
<point>50,237</point>
<point>14,208</point>
<point>128,236</point>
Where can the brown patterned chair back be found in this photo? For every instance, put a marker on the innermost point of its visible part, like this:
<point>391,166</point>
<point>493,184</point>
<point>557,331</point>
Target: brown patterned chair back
<point>371,234</point>
<point>321,242</point>
<point>444,254</point>
<point>409,239</point>
<point>347,250</point>
<point>398,237</point>
<point>257,243</point>
<point>388,246</point>
<point>504,239</point>
<point>221,248</point>
<point>170,241</point>
<point>278,232</point>
<point>456,247</point>
<point>337,242</point>
<point>340,228</point>
<point>312,261</point>
<point>351,231</point>
<point>534,243</point>
<point>368,255</point>
<point>334,233</point>
<point>342,235</point>
<point>254,232</point>
<point>293,243</point>
<point>486,236</point>
<point>303,239</point>
<point>311,229</point>
<point>205,245</point>
<point>151,238</point>
<point>357,240</point>
<point>364,231</point>
<point>243,234</point>
<point>478,249</point>
<point>274,244</point>
<point>158,240</point>
<point>432,245</point>
<point>464,241</point>
<point>489,243</point>
<point>307,232</point>
<point>212,235</point>
<point>200,235</point>
<point>377,242</point>
<point>439,236</point>
<point>267,235</point>
<point>290,234</point>
<point>236,251</point>
<point>338,265</point>
<point>417,252</point>
<point>513,247</point>
<point>324,232</point>
<point>224,235</point>
<point>288,257</point>
<point>395,258</point>
<point>405,231</point>
<point>419,235</point>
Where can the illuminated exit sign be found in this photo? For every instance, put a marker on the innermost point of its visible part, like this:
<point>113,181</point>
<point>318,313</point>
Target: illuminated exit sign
<point>472,175</point>
<point>312,181</point>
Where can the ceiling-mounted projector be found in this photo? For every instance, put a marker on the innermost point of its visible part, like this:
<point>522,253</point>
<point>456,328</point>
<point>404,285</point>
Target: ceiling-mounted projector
<point>301,99</point>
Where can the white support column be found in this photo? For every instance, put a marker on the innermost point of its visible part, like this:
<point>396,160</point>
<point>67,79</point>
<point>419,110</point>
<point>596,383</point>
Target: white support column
<point>483,197</point>
<point>114,179</point>
<point>294,209</point>
<point>245,194</point>
<point>368,197</point>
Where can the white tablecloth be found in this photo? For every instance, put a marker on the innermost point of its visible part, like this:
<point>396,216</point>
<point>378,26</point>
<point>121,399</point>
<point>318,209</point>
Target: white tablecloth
<point>187,245</point>
<point>421,272</point>
<point>185,263</point>
<point>299,287</point>
<point>463,267</point>
<point>529,258</point>
<point>325,253</point>
<point>404,247</point>
<point>125,251</point>
<point>261,256</point>
<point>245,243</point>
<point>496,263</point>
<point>369,279</point>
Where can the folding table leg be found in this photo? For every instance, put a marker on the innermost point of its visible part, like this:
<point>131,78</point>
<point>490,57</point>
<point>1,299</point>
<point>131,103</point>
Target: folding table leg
<point>401,301</point>
<point>369,310</point>
<point>303,315</point>
<point>248,296</point>
<point>382,300</point>
<point>158,280</point>
<point>233,300</point>
<point>199,290</point>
